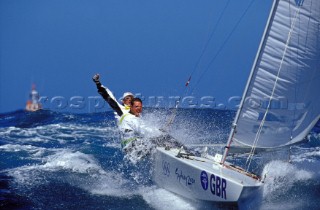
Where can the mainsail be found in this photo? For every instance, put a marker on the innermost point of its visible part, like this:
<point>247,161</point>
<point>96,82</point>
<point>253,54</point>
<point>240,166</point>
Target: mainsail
<point>281,102</point>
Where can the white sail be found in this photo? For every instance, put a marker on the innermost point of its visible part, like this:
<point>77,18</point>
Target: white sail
<point>287,71</point>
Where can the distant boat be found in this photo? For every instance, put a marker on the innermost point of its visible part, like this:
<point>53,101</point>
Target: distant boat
<point>33,103</point>
<point>279,107</point>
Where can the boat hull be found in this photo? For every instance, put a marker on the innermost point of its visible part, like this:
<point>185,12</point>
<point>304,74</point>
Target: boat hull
<point>201,178</point>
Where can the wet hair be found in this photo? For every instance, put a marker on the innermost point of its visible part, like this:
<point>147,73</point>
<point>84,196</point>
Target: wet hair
<point>135,99</point>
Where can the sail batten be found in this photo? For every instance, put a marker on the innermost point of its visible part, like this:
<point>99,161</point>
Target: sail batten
<point>280,105</point>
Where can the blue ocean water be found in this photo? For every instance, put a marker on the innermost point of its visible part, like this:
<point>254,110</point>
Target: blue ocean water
<point>52,160</point>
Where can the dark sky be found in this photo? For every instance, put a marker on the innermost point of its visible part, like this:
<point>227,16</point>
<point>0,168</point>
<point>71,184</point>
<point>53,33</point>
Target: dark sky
<point>143,46</point>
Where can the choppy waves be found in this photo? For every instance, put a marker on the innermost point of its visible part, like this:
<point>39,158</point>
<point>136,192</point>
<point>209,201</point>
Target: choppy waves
<point>53,159</point>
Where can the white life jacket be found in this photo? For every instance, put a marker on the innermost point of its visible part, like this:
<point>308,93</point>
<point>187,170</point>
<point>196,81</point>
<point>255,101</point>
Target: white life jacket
<point>132,128</point>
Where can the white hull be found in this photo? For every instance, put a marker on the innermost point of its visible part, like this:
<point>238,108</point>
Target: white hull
<point>202,178</point>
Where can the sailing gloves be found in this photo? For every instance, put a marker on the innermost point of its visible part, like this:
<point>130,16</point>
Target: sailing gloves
<point>96,79</point>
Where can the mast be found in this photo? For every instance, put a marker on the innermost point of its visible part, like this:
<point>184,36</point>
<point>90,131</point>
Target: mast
<point>234,124</point>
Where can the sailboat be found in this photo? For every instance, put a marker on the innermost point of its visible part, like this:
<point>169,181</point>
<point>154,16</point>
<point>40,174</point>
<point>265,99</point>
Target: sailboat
<point>279,107</point>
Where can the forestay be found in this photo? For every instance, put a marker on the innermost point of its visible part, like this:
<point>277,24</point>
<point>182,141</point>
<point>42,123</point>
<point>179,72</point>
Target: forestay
<point>281,102</point>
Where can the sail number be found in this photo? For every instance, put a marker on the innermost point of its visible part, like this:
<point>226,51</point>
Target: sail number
<point>218,185</point>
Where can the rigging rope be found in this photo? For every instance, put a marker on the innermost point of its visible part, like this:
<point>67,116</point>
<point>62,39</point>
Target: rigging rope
<point>174,113</point>
<point>253,148</point>
<point>224,43</point>
<point>171,119</point>
<point>210,37</point>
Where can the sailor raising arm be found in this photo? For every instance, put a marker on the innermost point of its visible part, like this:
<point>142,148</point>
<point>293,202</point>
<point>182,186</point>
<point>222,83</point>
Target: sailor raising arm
<point>133,129</point>
<point>109,97</point>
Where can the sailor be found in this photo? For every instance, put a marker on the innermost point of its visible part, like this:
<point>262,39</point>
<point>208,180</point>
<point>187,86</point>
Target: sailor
<point>119,109</point>
<point>132,127</point>
<point>139,137</point>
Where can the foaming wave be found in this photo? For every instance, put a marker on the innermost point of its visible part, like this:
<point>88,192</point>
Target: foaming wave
<point>162,199</point>
<point>204,127</point>
<point>111,184</point>
<point>59,133</point>
<point>281,177</point>
<point>138,149</point>
<point>18,148</point>
<point>73,161</point>
<point>75,168</point>
<point>32,150</point>
<point>201,126</point>
<point>287,186</point>
<point>14,132</point>
<point>156,118</point>
<point>63,159</point>
<point>303,155</point>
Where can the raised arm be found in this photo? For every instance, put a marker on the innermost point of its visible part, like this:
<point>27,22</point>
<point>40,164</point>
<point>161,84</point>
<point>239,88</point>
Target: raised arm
<point>107,95</point>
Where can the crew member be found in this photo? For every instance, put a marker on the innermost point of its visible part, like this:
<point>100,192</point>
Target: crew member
<point>109,97</point>
<point>133,127</point>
